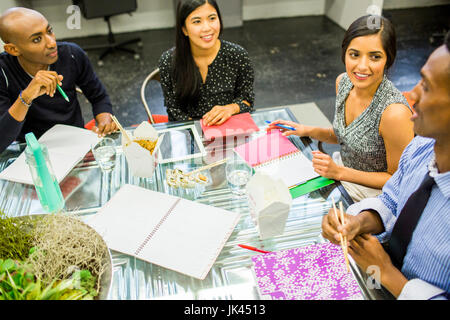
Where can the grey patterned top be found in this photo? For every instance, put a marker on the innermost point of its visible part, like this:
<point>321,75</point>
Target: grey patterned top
<point>229,80</point>
<point>362,147</point>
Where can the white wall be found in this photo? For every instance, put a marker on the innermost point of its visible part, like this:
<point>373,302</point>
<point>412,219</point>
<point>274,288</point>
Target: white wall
<point>151,14</point>
<point>266,9</point>
<point>157,14</point>
<point>344,12</point>
<point>402,4</point>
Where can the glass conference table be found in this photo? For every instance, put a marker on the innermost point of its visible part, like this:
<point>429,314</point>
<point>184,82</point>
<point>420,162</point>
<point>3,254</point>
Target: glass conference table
<point>87,188</point>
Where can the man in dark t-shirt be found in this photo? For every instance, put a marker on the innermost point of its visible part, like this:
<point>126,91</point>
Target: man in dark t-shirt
<point>31,67</point>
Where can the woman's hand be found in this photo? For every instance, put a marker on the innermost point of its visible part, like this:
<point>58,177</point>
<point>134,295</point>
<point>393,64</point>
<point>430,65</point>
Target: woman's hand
<point>219,114</point>
<point>324,165</point>
<point>300,130</point>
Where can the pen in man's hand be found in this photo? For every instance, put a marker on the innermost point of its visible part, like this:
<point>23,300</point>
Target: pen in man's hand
<point>281,125</point>
<point>62,93</point>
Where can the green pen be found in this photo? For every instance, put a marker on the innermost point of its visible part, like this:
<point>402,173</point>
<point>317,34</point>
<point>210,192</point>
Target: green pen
<point>62,93</point>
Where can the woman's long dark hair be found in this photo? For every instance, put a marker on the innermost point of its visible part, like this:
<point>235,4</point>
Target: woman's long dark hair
<point>186,76</point>
<point>368,25</point>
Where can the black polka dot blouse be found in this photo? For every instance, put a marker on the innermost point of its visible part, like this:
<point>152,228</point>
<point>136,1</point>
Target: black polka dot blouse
<point>229,80</point>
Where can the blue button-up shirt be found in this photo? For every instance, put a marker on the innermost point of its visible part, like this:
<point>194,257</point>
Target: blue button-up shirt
<point>427,260</point>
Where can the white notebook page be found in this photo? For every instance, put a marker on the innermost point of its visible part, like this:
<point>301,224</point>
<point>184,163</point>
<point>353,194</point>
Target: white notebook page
<point>66,146</point>
<point>187,241</point>
<point>293,169</point>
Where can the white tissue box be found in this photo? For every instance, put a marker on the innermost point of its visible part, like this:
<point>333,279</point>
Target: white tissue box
<point>270,203</point>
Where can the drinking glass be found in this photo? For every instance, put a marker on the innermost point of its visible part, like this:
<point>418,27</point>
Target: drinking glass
<point>238,174</point>
<point>104,153</point>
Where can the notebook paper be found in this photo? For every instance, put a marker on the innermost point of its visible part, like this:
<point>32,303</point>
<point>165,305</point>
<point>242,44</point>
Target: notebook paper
<point>315,272</point>
<point>270,146</point>
<point>66,146</point>
<point>277,156</point>
<point>237,124</point>
<point>169,231</point>
<point>293,170</point>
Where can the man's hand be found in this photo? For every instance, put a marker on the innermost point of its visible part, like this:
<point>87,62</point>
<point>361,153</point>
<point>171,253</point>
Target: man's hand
<point>105,125</point>
<point>331,227</point>
<point>219,114</point>
<point>367,251</point>
<point>44,82</point>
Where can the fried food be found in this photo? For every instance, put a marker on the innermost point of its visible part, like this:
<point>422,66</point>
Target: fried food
<point>147,144</point>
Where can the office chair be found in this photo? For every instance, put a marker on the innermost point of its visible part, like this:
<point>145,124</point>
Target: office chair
<point>156,118</point>
<point>92,9</point>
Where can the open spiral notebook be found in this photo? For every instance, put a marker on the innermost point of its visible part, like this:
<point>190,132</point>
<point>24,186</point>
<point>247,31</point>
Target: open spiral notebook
<point>277,156</point>
<point>169,231</point>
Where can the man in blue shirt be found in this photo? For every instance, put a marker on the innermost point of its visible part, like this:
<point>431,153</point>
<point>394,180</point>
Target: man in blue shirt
<point>31,66</point>
<point>424,272</point>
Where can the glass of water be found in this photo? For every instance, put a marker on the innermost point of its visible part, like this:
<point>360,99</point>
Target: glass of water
<point>104,153</point>
<point>238,174</point>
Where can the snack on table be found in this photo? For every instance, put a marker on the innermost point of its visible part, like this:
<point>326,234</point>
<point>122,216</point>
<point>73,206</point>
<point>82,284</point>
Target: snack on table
<point>177,178</point>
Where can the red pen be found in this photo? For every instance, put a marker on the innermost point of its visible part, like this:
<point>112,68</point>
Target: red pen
<point>252,248</point>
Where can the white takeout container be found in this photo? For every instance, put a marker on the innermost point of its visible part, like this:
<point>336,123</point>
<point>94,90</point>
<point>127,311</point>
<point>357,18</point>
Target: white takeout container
<point>140,161</point>
<point>270,203</point>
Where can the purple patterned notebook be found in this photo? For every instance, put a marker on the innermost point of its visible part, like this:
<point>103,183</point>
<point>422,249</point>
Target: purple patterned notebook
<point>315,272</point>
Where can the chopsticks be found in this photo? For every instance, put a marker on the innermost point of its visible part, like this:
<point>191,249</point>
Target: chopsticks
<point>342,238</point>
<point>121,129</point>
<point>208,166</point>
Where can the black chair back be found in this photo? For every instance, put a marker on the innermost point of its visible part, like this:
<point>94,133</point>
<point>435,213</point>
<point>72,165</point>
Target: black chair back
<point>91,9</point>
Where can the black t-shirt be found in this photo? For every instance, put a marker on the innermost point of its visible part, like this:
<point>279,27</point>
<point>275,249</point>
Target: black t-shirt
<point>45,111</point>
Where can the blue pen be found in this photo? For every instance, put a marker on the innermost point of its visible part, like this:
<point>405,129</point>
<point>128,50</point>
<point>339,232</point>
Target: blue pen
<point>282,126</point>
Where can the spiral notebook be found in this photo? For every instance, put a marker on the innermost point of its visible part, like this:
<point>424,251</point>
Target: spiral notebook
<point>169,231</point>
<point>315,272</point>
<point>276,155</point>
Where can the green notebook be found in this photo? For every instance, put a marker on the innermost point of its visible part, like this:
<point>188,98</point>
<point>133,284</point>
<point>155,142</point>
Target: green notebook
<point>310,186</point>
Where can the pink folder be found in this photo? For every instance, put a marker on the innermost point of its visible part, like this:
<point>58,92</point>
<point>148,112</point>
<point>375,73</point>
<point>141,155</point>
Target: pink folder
<point>268,147</point>
<point>238,124</point>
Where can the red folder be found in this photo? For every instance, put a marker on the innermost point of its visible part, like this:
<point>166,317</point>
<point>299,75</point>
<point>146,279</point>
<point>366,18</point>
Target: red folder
<point>237,124</point>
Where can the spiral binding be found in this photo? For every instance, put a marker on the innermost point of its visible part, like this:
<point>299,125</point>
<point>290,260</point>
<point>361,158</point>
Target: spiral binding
<point>151,234</point>
<point>289,155</point>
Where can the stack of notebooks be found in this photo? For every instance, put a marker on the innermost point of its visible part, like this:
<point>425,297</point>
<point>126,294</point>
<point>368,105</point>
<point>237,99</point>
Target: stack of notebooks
<point>277,156</point>
<point>315,272</point>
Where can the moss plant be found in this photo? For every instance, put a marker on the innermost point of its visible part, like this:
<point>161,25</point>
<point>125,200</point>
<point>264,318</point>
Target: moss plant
<point>16,238</point>
<point>65,245</point>
<point>49,257</point>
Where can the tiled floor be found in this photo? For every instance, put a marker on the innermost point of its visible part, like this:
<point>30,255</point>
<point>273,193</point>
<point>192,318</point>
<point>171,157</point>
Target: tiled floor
<point>296,60</point>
